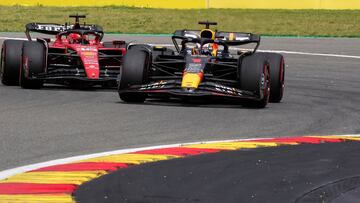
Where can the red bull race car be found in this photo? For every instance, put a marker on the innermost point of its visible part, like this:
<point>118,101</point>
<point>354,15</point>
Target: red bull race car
<point>76,57</point>
<point>204,65</point>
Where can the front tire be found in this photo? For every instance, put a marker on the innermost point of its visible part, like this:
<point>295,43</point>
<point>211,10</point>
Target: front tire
<point>10,62</point>
<point>133,72</point>
<point>255,77</point>
<point>33,63</point>
<point>277,75</point>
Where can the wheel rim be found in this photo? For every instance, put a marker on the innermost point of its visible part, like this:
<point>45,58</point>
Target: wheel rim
<point>265,83</point>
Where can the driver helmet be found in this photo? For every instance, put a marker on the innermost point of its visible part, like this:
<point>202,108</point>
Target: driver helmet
<point>207,49</point>
<point>210,49</point>
<point>74,38</point>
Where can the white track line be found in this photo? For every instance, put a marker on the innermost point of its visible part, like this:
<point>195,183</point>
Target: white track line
<point>11,172</point>
<point>237,49</point>
<point>14,38</point>
<point>284,52</point>
<point>311,54</point>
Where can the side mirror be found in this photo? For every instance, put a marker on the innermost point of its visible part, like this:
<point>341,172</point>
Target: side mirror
<point>48,40</point>
<point>159,48</point>
<point>119,42</point>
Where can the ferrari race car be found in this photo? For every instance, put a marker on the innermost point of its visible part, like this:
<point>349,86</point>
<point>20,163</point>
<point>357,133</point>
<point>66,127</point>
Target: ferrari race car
<point>204,65</point>
<point>76,57</point>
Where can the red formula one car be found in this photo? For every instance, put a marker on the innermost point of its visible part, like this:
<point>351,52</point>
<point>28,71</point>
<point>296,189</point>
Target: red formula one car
<point>76,57</point>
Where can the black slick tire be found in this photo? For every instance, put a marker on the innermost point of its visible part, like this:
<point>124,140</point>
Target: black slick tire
<point>10,62</point>
<point>255,77</point>
<point>133,72</point>
<point>33,62</point>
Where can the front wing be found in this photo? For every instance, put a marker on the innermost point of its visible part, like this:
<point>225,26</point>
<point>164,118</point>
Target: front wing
<point>67,76</point>
<point>173,88</point>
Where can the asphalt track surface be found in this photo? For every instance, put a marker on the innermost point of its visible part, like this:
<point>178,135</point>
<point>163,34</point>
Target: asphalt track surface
<point>322,97</point>
<point>305,173</point>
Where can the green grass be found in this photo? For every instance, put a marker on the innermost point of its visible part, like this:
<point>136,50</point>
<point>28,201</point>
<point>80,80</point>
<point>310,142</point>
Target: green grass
<point>345,23</point>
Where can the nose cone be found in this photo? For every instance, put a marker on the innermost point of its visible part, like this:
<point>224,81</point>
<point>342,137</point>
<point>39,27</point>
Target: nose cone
<point>191,80</point>
<point>90,60</point>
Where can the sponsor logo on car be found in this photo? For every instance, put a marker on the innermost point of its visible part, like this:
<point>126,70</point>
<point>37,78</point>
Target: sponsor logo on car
<point>156,85</point>
<point>228,90</point>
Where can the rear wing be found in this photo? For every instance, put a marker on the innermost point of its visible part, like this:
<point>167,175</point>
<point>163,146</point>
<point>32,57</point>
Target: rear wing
<point>54,29</point>
<point>237,38</point>
<point>221,37</point>
<point>230,38</point>
<point>186,34</point>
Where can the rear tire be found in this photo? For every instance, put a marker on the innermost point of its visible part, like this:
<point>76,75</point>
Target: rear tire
<point>255,77</point>
<point>33,62</point>
<point>133,72</point>
<point>10,62</point>
<point>277,76</point>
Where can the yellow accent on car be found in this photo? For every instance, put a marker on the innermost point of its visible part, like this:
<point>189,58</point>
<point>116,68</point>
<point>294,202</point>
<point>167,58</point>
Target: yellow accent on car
<point>214,52</point>
<point>207,33</point>
<point>190,80</point>
<point>231,36</point>
<point>89,53</point>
